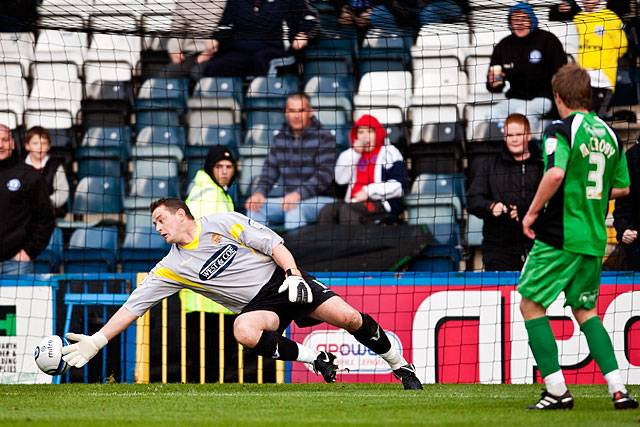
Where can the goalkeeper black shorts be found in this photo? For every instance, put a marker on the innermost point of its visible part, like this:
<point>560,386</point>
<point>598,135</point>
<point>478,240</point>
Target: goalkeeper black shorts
<point>269,299</point>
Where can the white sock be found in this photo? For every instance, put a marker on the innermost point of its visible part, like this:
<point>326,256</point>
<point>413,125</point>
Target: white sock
<point>555,383</point>
<point>305,354</point>
<point>614,382</point>
<point>394,359</point>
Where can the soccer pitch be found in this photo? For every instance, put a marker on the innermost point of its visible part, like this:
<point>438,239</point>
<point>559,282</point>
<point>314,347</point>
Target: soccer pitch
<point>298,404</point>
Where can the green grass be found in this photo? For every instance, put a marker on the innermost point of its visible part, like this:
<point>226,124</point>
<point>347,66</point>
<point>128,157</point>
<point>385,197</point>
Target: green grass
<point>296,404</point>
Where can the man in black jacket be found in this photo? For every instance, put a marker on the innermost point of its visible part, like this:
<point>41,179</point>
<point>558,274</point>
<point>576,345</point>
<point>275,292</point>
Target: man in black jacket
<point>626,216</point>
<point>527,59</point>
<point>250,35</point>
<point>26,214</point>
<point>501,191</point>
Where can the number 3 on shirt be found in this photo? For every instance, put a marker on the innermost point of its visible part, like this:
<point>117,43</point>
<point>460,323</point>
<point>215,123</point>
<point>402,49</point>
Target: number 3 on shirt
<point>595,176</point>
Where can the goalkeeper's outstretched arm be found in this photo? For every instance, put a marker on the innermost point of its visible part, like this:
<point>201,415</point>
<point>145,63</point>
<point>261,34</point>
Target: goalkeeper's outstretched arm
<point>87,346</point>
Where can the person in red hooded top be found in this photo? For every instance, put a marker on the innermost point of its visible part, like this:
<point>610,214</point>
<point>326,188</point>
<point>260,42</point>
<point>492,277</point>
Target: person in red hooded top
<point>374,174</point>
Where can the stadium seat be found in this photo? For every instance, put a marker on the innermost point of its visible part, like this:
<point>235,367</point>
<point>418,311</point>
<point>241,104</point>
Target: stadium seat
<point>141,250</point>
<point>155,168</point>
<point>272,119</point>
<point>91,250</point>
<point>136,219</point>
<point>440,81</point>
<point>261,135</point>
<point>435,158</point>
<point>384,52</point>
<point>384,89</point>
<point>58,123</point>
<point>49,260</point>
<point>474,231</point>
<point>18,48</point>
<point>13,90</point>
<point>94,161</point>
<point>443,254</point>
<point>227,135</point>
<point>219,87</point>
<point>168,135</point>
<point>109,49</point>
<point>251,160</point>
<point>163,94</point>
<point>146,190</point>
<point>422,116</point>
<point>156,117</point>
<point>98,195</point>
<point>442,41</point>
<point>62,45</point>
<point>56,88</point>
<point>478,128</point>
<point>270,92</point>
<point>436,199</point>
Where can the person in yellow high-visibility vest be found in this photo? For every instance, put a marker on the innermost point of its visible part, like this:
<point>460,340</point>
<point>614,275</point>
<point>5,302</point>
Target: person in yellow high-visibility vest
<point>602,44</point>
<point>208,195</point>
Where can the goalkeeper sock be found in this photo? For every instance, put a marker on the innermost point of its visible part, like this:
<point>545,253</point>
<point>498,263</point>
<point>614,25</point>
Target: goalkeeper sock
<point>374,337</point>
<point>275,346</point>
<point>602,352</point>
<point>543,345</point>
<point>306,354</point>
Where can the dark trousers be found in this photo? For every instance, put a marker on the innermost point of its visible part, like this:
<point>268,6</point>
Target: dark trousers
<point>600,100</point>
<point>239,63</point>
<point>503,258</point>
<point>351,213</point>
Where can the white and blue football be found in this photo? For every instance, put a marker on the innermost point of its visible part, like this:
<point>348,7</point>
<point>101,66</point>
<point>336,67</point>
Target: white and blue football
<point>48,355</point>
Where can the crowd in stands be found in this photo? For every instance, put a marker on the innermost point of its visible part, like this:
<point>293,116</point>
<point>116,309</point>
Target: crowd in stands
<point>331,154</point>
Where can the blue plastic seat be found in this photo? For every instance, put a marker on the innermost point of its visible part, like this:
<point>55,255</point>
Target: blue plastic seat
<point>98,195</point>
<point>146,190</point>
<point>219,87</point>
<point>227,135</point>
<point>142,249</point>
<point>94,161</point>
<point>170,135</point>
<point>91,250</point>
<point>49,260</point>
<point>155,117</point>
<point>163,93</point>
<point>270,92</point>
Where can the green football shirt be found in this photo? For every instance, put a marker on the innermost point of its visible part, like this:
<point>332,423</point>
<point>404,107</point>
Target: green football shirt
<point>587,149</point>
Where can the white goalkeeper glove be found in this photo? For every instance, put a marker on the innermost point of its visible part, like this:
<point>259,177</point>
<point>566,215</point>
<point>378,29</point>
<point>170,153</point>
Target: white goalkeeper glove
<point>299,290</point>
<point>79,354</point>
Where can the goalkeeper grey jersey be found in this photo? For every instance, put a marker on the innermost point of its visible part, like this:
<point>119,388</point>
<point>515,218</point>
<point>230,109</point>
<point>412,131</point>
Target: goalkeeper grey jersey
<point>228,262</point>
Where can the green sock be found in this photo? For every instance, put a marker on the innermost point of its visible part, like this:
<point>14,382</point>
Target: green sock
<point>543,345</point>
<point>600,345</point>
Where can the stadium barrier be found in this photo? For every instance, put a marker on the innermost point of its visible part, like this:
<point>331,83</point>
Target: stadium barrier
<point>455,327</point>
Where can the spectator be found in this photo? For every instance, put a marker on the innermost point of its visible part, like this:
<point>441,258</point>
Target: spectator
<point>188,51</point>
<point>26,217</point>
<point>303,155</point>
<point>37,145</point>
<point>626,215</point>
<point>602,44</point>
<point>567,9</point>
<point>250,35</point>
<point>208,190</point>
<point>18,15</point>
<point>375,175</point>
<point>393,15</point>
<point>527,59</point>
<point>208,195</point>
<point>501,191</point>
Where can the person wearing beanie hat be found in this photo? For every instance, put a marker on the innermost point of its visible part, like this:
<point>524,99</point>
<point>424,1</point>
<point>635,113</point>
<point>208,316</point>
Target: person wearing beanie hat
<point>208,192</point>
<point>209,195</point>
<point>374,174</point>
<point>527,59</point>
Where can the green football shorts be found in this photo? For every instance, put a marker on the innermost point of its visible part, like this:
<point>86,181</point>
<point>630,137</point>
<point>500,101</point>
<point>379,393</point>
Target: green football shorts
<point>549,271</point>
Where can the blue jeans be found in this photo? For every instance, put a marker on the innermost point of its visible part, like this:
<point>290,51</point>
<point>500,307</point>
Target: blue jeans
<point>14,268</point>
<point>439,12</point>
<point>271,213</point>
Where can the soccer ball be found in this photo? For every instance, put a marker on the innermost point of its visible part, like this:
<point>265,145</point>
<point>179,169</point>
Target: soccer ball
<point>48,355</point>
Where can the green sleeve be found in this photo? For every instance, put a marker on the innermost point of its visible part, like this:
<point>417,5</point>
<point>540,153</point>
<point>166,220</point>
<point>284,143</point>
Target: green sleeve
<point>557,151</point>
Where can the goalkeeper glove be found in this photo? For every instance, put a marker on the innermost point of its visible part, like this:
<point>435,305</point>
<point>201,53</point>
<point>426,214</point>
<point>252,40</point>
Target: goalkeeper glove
<point>79,354</point>
<point>299,290</point>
